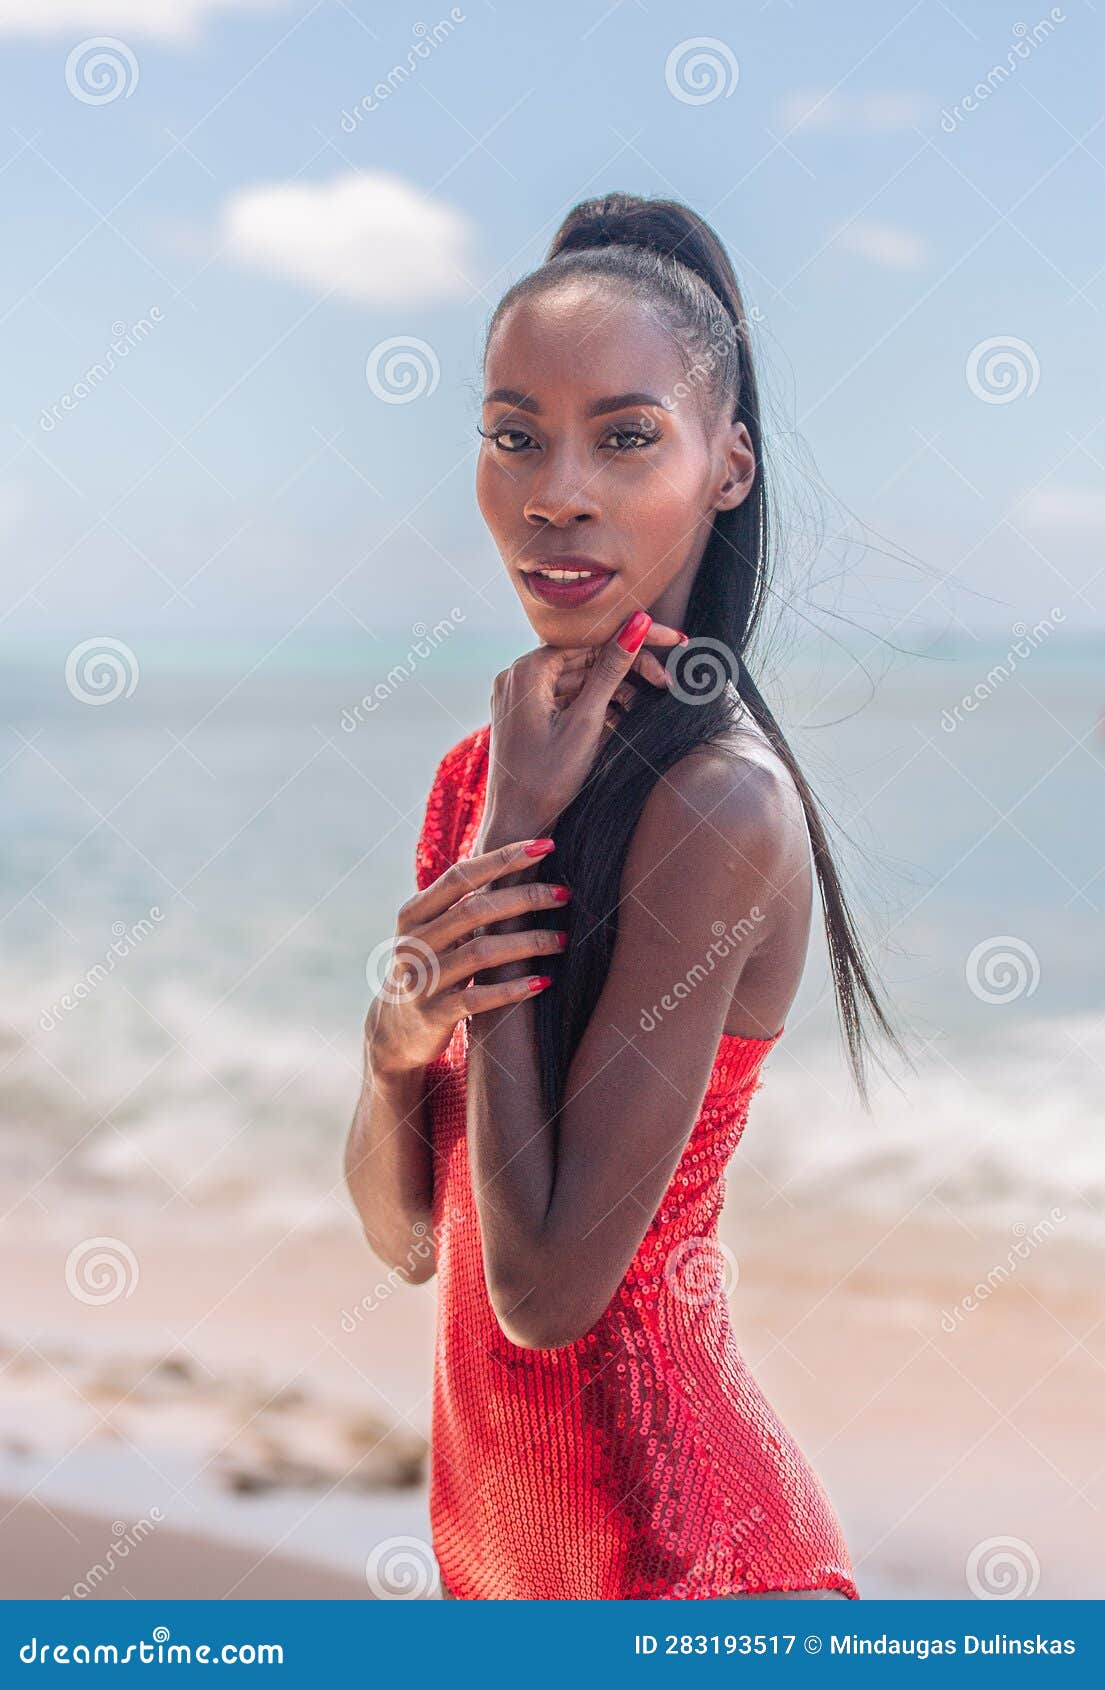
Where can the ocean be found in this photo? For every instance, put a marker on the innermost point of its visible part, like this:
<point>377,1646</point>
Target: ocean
<point>239,824</point>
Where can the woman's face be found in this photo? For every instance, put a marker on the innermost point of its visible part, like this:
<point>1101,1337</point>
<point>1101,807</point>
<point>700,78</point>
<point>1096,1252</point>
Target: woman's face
<point>603,458</point>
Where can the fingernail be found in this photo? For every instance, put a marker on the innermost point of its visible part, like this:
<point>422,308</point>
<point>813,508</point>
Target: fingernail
<point>633,634</point>
<point>562,939</point>
<point>540,980</point>
<point>560,893</point>
<point>683,639</point>
<point>540,847</point>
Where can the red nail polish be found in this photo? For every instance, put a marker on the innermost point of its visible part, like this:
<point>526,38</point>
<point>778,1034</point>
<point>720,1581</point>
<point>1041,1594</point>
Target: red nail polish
<point>632,636</point>
<point>540,847</point>
<point>683,639</point>
<point>538,981</point>
<point>560,893</point>
<point>562,939</point>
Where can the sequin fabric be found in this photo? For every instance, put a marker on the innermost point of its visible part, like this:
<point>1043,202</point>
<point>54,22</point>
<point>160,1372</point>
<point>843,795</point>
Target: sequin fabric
<point>641,1461</point>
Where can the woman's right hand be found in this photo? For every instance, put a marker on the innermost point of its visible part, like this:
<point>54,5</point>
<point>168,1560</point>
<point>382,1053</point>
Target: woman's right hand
<point>434,955</point>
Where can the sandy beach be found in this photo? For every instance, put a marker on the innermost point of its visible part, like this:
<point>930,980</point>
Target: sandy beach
<point>251,1419</point>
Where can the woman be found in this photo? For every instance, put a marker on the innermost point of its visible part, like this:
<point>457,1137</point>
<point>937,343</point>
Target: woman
<point>632,823</point>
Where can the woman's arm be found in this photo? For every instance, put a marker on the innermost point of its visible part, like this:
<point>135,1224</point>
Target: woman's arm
<point>389,1170</point>
<point>564,1208</point>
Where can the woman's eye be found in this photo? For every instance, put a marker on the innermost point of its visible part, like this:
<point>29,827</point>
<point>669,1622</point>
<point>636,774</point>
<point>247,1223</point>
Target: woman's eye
<point>497,435</point>
<point>644,437</point>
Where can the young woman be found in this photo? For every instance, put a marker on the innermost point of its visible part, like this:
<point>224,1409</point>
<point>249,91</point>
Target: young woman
<point>632,824</point>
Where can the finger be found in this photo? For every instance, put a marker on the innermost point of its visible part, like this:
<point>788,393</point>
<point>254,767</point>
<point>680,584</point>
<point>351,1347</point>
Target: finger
<point>488,906</point>
<point>493,950</point>
<point>467,876</point>
<point>612,664</point>
<point>473,1000</point>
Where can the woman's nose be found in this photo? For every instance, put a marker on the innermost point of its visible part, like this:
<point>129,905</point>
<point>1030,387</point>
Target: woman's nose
<point>561,494</point>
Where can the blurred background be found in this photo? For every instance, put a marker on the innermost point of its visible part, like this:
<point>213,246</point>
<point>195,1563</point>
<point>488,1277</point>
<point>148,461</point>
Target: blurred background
<point>248,603</point>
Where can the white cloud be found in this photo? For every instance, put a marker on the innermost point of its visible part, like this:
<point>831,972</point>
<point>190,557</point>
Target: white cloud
<point>179,21</point>
<point>873,114</point>
<point>368,235</point>
<point>1064,507</point>
<point>884,244</point>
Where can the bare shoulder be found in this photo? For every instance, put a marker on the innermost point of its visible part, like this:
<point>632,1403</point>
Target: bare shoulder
<point>731,801</point>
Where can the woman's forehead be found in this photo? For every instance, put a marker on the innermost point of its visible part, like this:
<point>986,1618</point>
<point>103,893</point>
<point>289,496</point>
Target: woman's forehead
<point>590,346</point>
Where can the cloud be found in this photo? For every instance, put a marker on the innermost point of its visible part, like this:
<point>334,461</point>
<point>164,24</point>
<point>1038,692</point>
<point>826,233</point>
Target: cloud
<point>884,244</point>
<point>861,114</point>
<point>367,235</point>
<point>1064,507</point>
<point>179,21</point>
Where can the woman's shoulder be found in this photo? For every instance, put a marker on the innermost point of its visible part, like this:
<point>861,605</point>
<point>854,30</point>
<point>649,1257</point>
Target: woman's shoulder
<point>727,815</point>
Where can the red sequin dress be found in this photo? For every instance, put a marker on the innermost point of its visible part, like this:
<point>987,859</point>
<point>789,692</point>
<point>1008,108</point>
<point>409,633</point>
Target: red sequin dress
<point>642,1460</point>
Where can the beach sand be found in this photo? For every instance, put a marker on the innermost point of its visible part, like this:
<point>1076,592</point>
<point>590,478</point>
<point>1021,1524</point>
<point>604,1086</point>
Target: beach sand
<point>250,1417</point>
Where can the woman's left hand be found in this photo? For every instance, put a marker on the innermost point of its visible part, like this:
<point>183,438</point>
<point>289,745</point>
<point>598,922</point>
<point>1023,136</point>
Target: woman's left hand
<point>549,711</point>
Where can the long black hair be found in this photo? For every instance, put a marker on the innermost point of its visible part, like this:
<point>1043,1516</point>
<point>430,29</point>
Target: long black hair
<point>667,256</point>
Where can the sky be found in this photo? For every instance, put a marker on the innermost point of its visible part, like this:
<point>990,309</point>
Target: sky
<point>252,248</point>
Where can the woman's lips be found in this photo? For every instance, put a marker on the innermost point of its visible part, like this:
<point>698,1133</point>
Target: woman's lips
<point>566,595</point>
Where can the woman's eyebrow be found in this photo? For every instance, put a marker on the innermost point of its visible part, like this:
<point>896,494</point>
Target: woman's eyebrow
<point>597,407</point>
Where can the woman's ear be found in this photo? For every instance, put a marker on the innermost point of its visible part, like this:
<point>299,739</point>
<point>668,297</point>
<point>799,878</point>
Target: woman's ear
<point>739,469</point>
